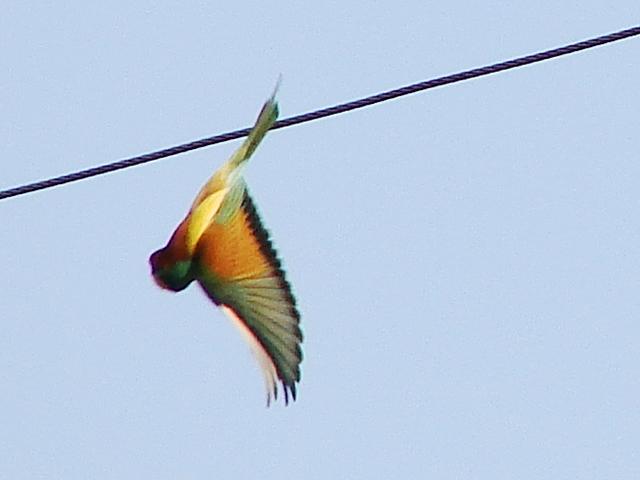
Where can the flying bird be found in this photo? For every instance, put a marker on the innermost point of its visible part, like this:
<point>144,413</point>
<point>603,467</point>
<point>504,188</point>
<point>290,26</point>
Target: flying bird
<point>222,245</point>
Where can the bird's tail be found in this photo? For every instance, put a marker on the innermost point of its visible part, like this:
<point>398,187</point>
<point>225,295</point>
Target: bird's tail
<point>265,121</point>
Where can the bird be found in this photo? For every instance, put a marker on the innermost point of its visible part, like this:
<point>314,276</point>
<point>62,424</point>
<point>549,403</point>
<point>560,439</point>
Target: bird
<point>223,246</point>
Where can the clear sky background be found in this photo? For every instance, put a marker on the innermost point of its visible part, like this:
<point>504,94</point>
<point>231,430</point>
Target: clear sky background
<point>466,260</point>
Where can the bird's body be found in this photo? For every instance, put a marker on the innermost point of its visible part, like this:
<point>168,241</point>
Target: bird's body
<point>223,246</point>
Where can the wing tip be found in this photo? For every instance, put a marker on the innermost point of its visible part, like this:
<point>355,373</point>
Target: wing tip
<point>289,391</point>
<point>271,373</point>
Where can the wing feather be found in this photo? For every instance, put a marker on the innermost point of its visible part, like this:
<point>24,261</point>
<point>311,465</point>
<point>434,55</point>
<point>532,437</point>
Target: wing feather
<point>267,366</point>
<point>241,272</point>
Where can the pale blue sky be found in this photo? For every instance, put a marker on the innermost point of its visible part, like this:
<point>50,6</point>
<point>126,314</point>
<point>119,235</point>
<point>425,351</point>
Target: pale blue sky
<point>466,260</point>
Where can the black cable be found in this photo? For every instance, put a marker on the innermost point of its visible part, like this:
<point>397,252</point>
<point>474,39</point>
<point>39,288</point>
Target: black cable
<point>326,112</point>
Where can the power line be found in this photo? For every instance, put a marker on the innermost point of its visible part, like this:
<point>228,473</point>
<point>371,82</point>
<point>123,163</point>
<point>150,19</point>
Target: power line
<point>326,112</point>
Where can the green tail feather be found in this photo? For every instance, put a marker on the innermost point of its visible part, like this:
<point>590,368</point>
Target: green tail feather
<point>235,165</point>
<point>266,119</point>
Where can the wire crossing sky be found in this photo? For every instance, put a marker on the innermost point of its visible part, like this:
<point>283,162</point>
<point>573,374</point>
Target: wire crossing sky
<point>326,112</point>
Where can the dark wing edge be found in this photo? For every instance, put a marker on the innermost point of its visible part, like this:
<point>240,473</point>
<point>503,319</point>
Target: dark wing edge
<point>262,307</point>
<point>282,357</point>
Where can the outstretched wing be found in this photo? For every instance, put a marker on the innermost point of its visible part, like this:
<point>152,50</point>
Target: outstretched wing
<point>239,270</point>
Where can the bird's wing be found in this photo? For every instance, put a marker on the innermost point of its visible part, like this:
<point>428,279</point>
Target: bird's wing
<point>239,269</point>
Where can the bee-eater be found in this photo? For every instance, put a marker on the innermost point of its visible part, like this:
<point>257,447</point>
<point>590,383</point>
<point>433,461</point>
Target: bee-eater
<point>223,246</point>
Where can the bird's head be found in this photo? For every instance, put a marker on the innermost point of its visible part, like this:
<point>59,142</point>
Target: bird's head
<point>170,273</point>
